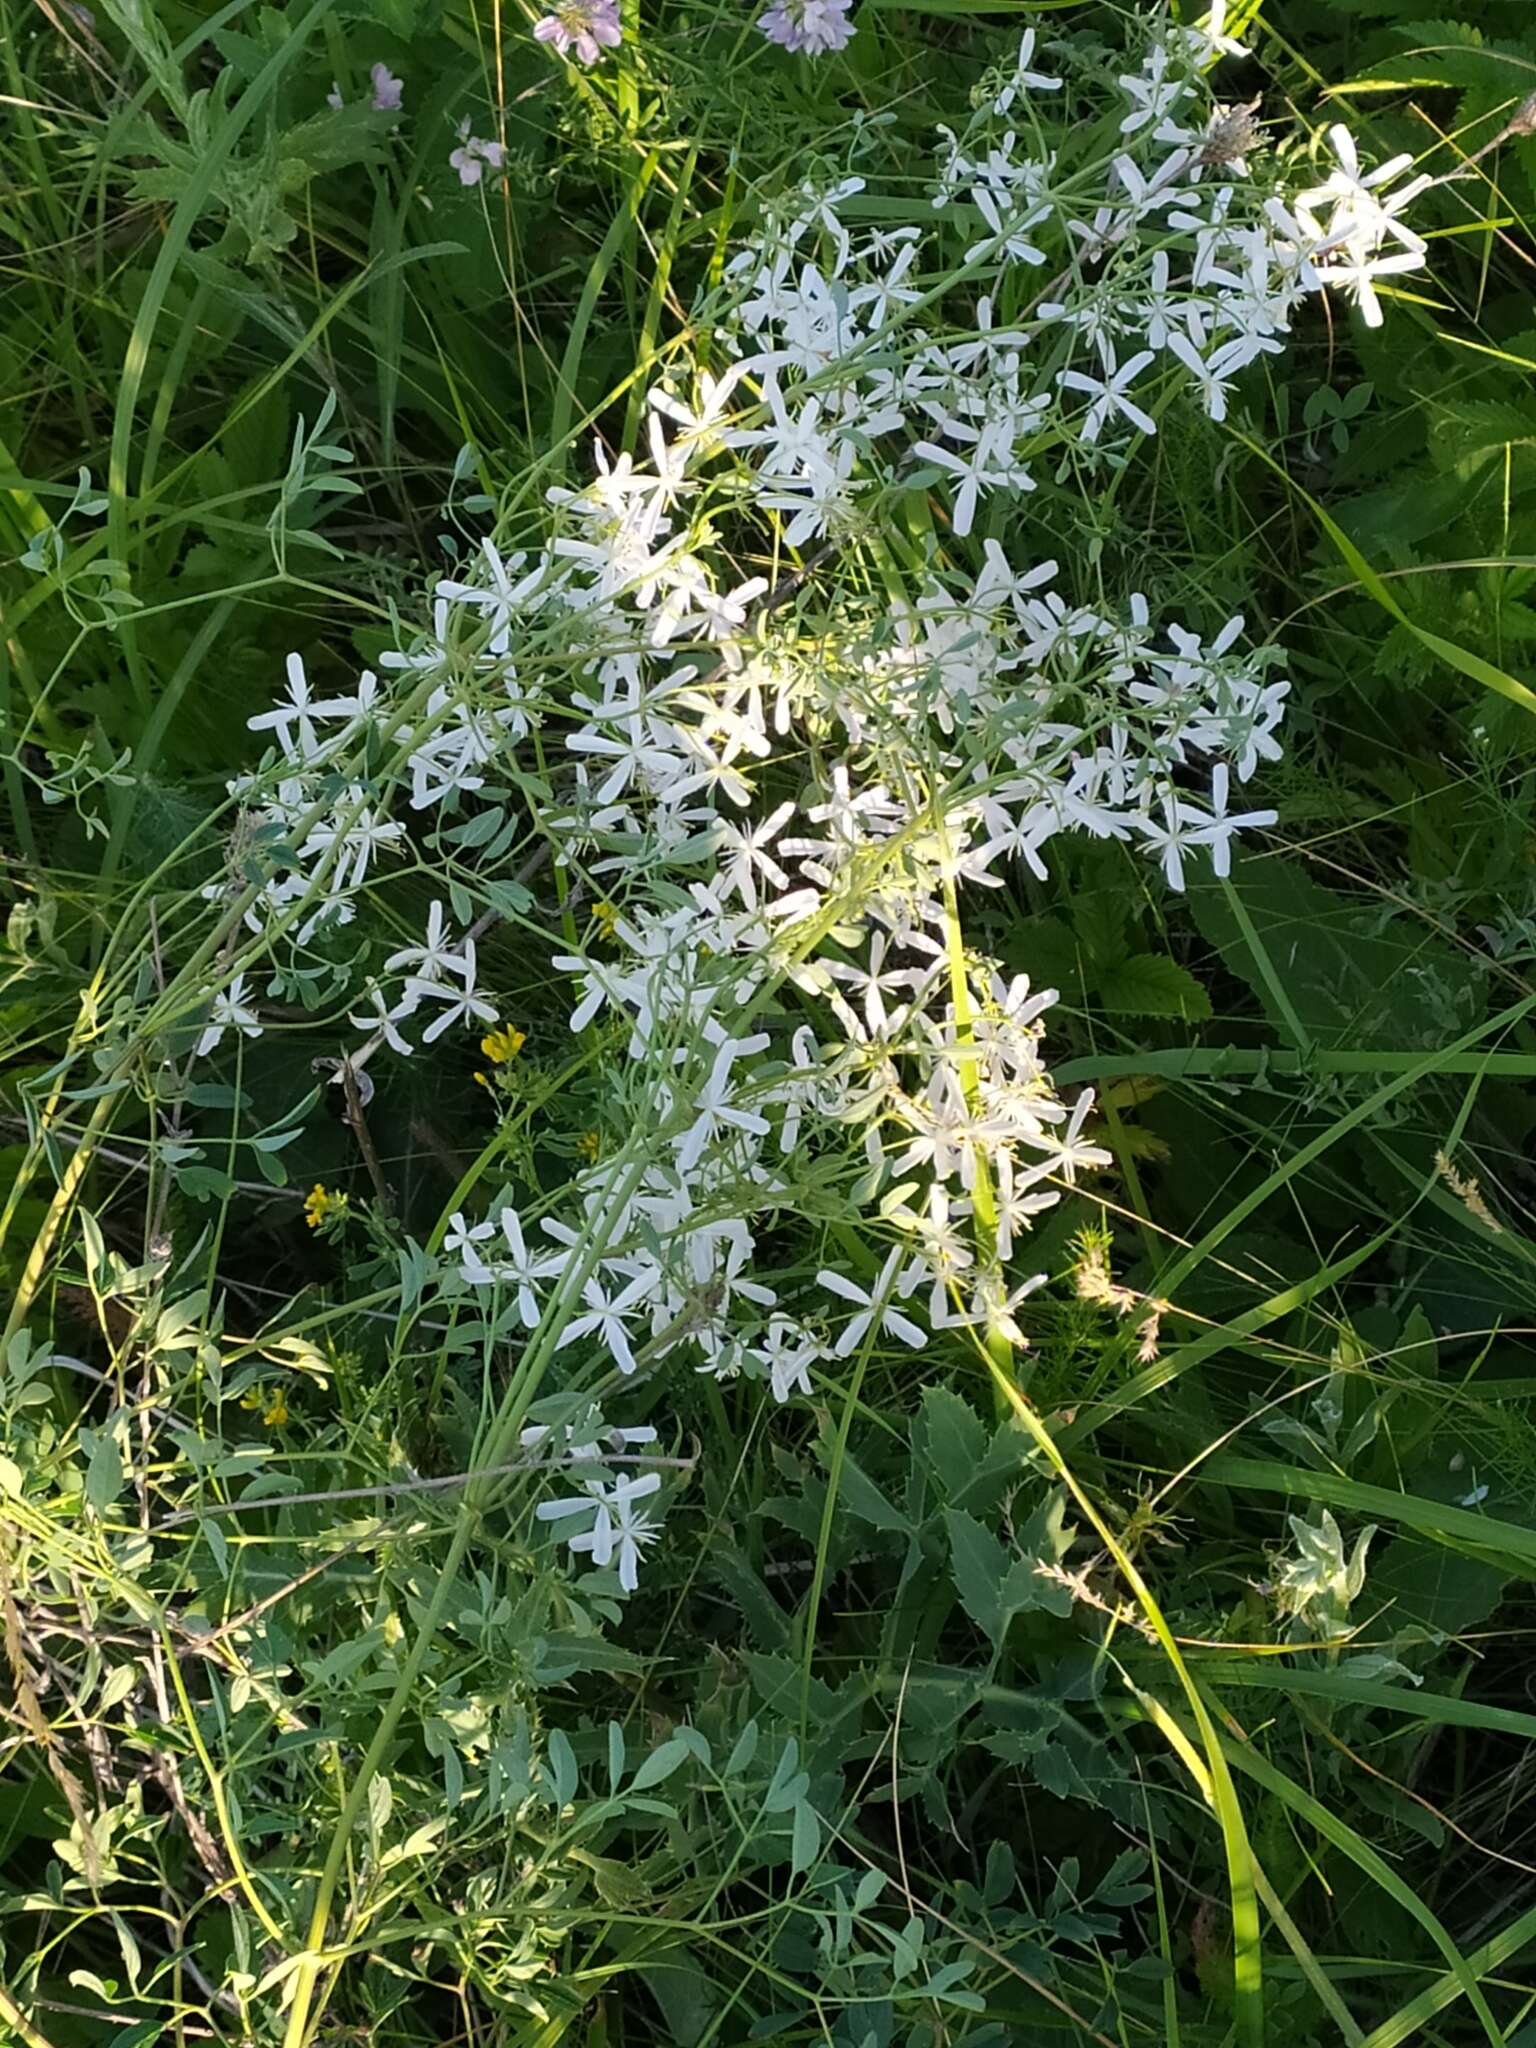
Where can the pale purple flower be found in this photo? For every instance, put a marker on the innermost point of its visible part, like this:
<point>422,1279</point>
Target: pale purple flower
<point>587,26</point>
<point>813,26</point>
<point>386,90</point>
<point>474,153</point>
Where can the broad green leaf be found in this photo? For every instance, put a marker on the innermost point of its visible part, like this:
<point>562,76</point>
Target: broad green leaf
<point>104,1472</point>
<point>659,1765</point>
<point>563,1771</point>
<point>804,1840</point>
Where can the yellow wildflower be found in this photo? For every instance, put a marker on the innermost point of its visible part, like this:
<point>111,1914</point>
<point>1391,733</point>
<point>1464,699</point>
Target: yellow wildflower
<point>605,916</point>
<point>503,1045</point>
<point>323,1205</point>
<point>252,1398</point>
<point>590,1144</point>
<point>276,1413</point>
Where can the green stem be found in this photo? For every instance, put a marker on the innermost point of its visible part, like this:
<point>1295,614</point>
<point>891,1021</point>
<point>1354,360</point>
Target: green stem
<point>983,1199</point>
<point>64,1195</point>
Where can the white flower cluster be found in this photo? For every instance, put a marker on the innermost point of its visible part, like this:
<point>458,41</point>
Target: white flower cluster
<point>620,1529</point>
<point>789,818</point>
<point>1182,263</point>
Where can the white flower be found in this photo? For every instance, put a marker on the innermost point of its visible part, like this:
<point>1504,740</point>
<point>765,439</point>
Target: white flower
<point>1349,247</point>
<point>617,1530</point>
<point>383,1020</point>
<point>788,1350</point>
<point>1208,39</point>
<point>715,1106</point>
<point>1023,79</point>
<point>1068,1151</point>
<point>604,1318</point>
<point>989,463</point>
<point>1211,372</point>
<point>1218,832</point>
<point>993,1303</point>
<point>353,839</point>
<point>465,1238</point>
<point>460,1006</point>
<point>744,855</point>
<point>1169,836</point>
<point>1110,395</point>
<point>430,959</point>
<point>229,1012</point>
<point>601,985</point>
<point>523,1268</point>
<point>294,720</point>
<point>1152,93</point>
<point>1355,275</point>
<point>875,1307</point>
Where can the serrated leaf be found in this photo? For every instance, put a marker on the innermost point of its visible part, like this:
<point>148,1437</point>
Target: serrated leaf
<point>1098,923</point>
<point>255,437</point>
<point>1152,985</point>
<point>980,1564</point>
<point>1470,431</point>
<point>1057,1751</point>
<point>561,1654</point>
<point>858,1493</point>
<point>951,1438</point>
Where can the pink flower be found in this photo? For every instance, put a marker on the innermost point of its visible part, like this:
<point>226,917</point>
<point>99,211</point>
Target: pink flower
<point>814,26</point>
<point>386,90</point>
<point>587,26</point>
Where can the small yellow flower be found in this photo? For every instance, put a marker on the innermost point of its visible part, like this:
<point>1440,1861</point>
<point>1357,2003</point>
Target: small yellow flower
<point>605,916</point>
<point>501,1046</point>
<point>252,1398</point>
<point>323,1205</point>
<point>276,1413</point>
<point>590,1144</point>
